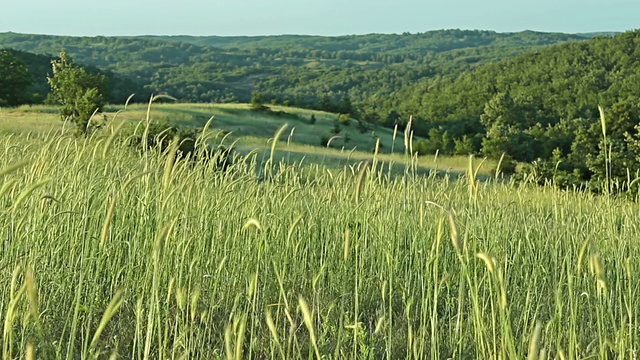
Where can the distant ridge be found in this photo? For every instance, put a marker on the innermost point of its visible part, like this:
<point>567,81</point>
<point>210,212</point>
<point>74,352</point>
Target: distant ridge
<point>350,73</point>
<point>599,33</point>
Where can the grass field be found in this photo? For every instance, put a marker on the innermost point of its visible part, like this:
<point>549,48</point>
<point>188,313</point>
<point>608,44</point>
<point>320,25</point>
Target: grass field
<point>110,253</point>
<point>248,131</point>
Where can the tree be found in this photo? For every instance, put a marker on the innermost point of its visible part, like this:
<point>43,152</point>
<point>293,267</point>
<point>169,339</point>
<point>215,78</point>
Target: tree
<point>503,110</point>
<point>79,92</point>
<point>257,102</point>
<point>345,106</point>
<point>14,80</point>
<point>392,118</point>
<point>325,104</point>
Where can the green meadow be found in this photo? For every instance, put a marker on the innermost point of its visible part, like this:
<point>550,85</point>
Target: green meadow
<point>298,251</point>
<point>246,131</point>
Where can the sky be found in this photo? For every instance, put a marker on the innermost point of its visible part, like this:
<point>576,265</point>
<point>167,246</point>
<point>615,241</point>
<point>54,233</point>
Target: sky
<point>314,17</point>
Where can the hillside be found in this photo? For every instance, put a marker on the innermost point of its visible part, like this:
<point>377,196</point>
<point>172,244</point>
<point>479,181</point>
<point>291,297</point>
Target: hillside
<point>305,127</point>
<point>39,66</point>
<point>542,106</point>
<point>247,131</point>
<point>375,46</point>
<point>470,92</point>
<point>562,81</point>
<point>295,70</point>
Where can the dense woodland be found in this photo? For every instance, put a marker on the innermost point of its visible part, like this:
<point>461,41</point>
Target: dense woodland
<point>530,98</point>
<point>300,70</point>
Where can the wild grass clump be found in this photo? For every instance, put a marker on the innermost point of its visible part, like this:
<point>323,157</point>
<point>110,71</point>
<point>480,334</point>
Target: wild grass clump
<point>109,253</point>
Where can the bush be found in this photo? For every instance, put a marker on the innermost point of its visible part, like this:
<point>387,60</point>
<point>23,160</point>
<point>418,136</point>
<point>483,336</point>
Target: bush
<point>336,128</point>
<point>344,119</point>
<point>363,127</point>
<point>162,133</point>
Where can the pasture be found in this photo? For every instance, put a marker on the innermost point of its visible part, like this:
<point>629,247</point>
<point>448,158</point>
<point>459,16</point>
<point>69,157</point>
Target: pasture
<point>112,253</point>
<point>248,131</point>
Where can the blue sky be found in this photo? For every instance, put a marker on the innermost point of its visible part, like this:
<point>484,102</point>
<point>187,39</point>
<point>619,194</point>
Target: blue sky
<point>320,17</point>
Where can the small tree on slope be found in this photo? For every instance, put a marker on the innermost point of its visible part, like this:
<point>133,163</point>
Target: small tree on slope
<point>79,92</point>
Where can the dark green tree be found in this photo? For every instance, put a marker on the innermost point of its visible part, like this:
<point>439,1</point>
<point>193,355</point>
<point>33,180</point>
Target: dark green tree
<point>257,102</point>
<point>80,92</point>
<point>503,110</point>
<point>14,80</point>
<point>392,118</point>
<point>325,104</point>
<point>345,106</point>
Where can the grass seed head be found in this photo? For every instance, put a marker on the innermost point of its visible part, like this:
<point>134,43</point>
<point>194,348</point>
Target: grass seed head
<point>252,223</point>
<point>488,261</point>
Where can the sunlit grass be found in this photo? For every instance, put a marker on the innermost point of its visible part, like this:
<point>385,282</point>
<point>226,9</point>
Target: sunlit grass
<point>104,258</point>
<point>249,131</point>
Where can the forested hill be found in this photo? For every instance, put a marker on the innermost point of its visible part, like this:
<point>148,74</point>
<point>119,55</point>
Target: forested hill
<point>558,82</point>
<point>541,106</point>
<point>307,71</point>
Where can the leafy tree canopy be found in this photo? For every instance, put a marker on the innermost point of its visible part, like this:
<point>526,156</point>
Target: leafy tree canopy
<point>14,80</point>
<point>80,93</point>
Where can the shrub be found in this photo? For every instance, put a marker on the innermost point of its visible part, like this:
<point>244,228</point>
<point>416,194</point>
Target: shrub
<point>344,119</point>
<point>162,133</point>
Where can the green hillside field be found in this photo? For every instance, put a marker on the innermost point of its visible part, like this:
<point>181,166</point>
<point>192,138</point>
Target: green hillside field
<point>110,252</point>
<point>248,130</point>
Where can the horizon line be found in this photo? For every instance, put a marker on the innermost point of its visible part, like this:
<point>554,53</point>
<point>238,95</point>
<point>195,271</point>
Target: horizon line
<point>329,36</point>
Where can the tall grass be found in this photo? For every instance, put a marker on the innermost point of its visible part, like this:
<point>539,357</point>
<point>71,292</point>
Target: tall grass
<point>107,253</point>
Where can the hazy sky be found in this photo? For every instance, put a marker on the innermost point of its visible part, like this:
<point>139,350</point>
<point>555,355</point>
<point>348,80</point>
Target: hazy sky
<point>321,17</point>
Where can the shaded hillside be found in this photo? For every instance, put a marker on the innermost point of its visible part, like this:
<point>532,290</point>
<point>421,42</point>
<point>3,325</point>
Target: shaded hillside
<point>296,70</point>
<point>39,67</point>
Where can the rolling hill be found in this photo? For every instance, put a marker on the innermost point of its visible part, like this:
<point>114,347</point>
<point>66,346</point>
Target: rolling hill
<point>295,70</point>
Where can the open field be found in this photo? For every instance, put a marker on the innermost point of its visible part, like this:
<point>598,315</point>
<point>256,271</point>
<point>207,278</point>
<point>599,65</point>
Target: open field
<point>248,131</point>
<point>113,253</point>
<point>240,121</point>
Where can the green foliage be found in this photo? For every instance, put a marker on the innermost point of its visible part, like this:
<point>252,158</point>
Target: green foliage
<point>161,134</point>
<point>257,102</point>
<point>343,119</point>
<point>528,106</point>
<point>39,68</point>
<point>80,93</point>
<point>464,146</point>
<point>336,128</point>
<point>190,145</point>
<point>326,73</point>
<point>502,110</point>
<point>15,80</point>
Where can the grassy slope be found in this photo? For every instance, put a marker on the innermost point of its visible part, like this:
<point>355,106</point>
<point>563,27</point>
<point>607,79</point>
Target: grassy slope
<point>253,131</point>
